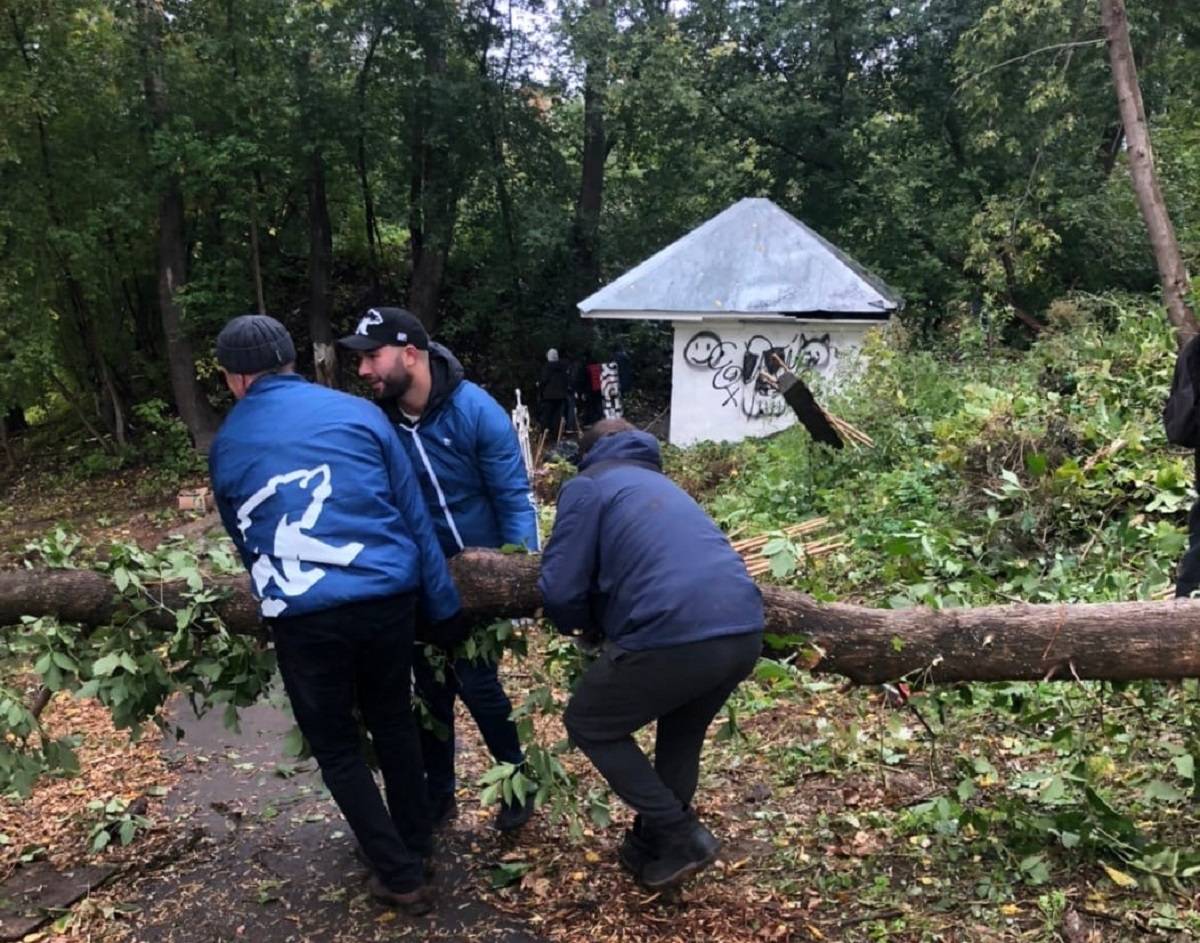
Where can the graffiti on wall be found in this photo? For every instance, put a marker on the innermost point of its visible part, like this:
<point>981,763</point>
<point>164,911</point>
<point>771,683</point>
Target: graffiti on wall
<point>737,370</point>
<point>610,390</point>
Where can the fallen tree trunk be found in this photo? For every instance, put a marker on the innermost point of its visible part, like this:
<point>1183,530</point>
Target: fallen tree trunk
<point>1112,641</point>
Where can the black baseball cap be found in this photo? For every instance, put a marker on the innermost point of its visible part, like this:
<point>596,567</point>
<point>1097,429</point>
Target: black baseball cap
<point>379,327</point>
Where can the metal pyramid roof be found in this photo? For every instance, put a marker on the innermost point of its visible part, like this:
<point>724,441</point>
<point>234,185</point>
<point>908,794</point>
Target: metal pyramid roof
<point>752,258</point>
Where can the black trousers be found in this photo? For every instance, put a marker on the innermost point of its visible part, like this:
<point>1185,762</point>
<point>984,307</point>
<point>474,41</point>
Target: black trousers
<point>1187,578</point>
<point>682,687</point>
<point>478,684</point>
<point>361,655</point>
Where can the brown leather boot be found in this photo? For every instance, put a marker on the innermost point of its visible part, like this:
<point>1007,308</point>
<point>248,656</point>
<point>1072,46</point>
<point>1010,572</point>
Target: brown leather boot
<point>415,903</point>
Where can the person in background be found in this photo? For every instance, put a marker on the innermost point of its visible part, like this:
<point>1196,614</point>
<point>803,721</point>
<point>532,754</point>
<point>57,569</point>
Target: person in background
<point>553,390</point>
<point>1181,421</point>
<point>636,564</point>
<point>465,450</point>
<point>322,504</point>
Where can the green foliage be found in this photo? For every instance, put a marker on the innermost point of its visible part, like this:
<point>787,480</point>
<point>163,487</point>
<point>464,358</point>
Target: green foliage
<point>164,443</point>
<point>1038,476</point>
<point>966,151</point>
<point>114,822</point>
<point>132,665</point>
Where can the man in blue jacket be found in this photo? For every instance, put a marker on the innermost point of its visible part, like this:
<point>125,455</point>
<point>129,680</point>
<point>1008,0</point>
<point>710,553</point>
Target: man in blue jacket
<point>327,515</point>
<point>635,562</point>
<point>466,454</point>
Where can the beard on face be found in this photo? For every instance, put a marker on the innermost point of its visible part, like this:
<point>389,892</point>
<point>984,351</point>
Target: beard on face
<point>396,383</point>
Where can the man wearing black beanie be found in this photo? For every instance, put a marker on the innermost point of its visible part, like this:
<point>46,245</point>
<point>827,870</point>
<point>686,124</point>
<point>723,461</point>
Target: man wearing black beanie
<point>323,506</point>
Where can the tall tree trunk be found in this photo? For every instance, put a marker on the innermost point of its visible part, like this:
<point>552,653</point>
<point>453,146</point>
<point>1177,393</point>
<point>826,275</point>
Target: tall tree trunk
<point>320,262</point>
<point>320,232</point>
<point>9,459</point>
<point>194,408</point>
<point>434,184</point>
<point>494,120</point>
<point>585,231</point>
<point>1176,285</point>
<point>360,154</point>
<point>255,256</point>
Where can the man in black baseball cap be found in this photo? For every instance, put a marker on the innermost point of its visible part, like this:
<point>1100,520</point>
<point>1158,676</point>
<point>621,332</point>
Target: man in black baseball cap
<point>387,326</point>
<point>465,451</point>
<point>392,346</point>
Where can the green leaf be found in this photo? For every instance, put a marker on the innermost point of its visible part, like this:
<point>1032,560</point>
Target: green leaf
<point>1161,791</point>
<point>104,667</point>
<point>1034,869</point>
<point>509,872</point>
<point>294,743</point>
<point>121,578</point>
<point>1054,790</point>
<point>600,814</point>
<point>127,831</point>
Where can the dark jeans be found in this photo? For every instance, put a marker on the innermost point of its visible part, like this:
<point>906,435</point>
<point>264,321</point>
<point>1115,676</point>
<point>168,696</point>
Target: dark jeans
<point>553,413</point>
<point>361,654</point>
<point>1187,579</point>
<point>478,684</point>
<point>682,687</point>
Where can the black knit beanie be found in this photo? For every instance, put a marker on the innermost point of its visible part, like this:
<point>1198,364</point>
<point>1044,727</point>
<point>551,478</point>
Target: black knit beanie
<point>253,343</point>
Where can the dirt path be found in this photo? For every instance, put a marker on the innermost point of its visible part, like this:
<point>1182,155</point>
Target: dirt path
<point>271,859</point>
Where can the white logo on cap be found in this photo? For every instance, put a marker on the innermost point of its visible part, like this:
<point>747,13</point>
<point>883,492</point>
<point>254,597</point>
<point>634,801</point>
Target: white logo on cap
<point>402,337</point>
<point>370,318</point>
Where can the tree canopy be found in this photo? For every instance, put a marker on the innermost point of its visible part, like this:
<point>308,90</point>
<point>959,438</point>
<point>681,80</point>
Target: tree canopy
<point>167,165</point>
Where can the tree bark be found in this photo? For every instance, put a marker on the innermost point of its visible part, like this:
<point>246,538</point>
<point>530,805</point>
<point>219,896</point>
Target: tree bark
<point>360,152</point>
<point>434,181</point>
<point>255,255</point>
<point>1111,641</point>
<point>591,181</point>
<point>193,406</point>
<point>320,263</point>
<point>1176,285</point>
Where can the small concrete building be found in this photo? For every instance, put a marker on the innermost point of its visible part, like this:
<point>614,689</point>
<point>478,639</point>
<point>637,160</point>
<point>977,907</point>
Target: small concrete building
<point>751,282</point>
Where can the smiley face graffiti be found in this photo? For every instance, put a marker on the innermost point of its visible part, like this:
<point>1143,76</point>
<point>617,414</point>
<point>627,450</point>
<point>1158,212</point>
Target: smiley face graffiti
<point>740,378</point>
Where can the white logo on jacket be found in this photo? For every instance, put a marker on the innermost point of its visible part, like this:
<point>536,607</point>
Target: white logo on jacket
<point>292,547</point>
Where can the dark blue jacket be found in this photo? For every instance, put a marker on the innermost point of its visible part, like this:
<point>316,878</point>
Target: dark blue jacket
<point>322,502</point>
<point>633,557</point>
<point>466,454</point>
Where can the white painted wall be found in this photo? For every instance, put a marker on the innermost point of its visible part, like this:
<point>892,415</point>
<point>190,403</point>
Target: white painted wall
<point>712,396</point>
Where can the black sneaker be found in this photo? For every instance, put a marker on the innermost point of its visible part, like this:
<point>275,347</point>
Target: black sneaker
<point>680,852</point>
<point>513,815</point>
<point>443,811</point>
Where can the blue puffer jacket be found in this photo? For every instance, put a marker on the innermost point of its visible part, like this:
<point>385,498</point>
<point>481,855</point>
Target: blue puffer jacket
<point>633,557</point>
<point>322,502</point>
<point>465,452</point>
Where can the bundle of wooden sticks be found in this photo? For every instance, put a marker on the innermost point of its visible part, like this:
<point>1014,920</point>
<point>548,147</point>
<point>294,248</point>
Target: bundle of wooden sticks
<point>751,547</point>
